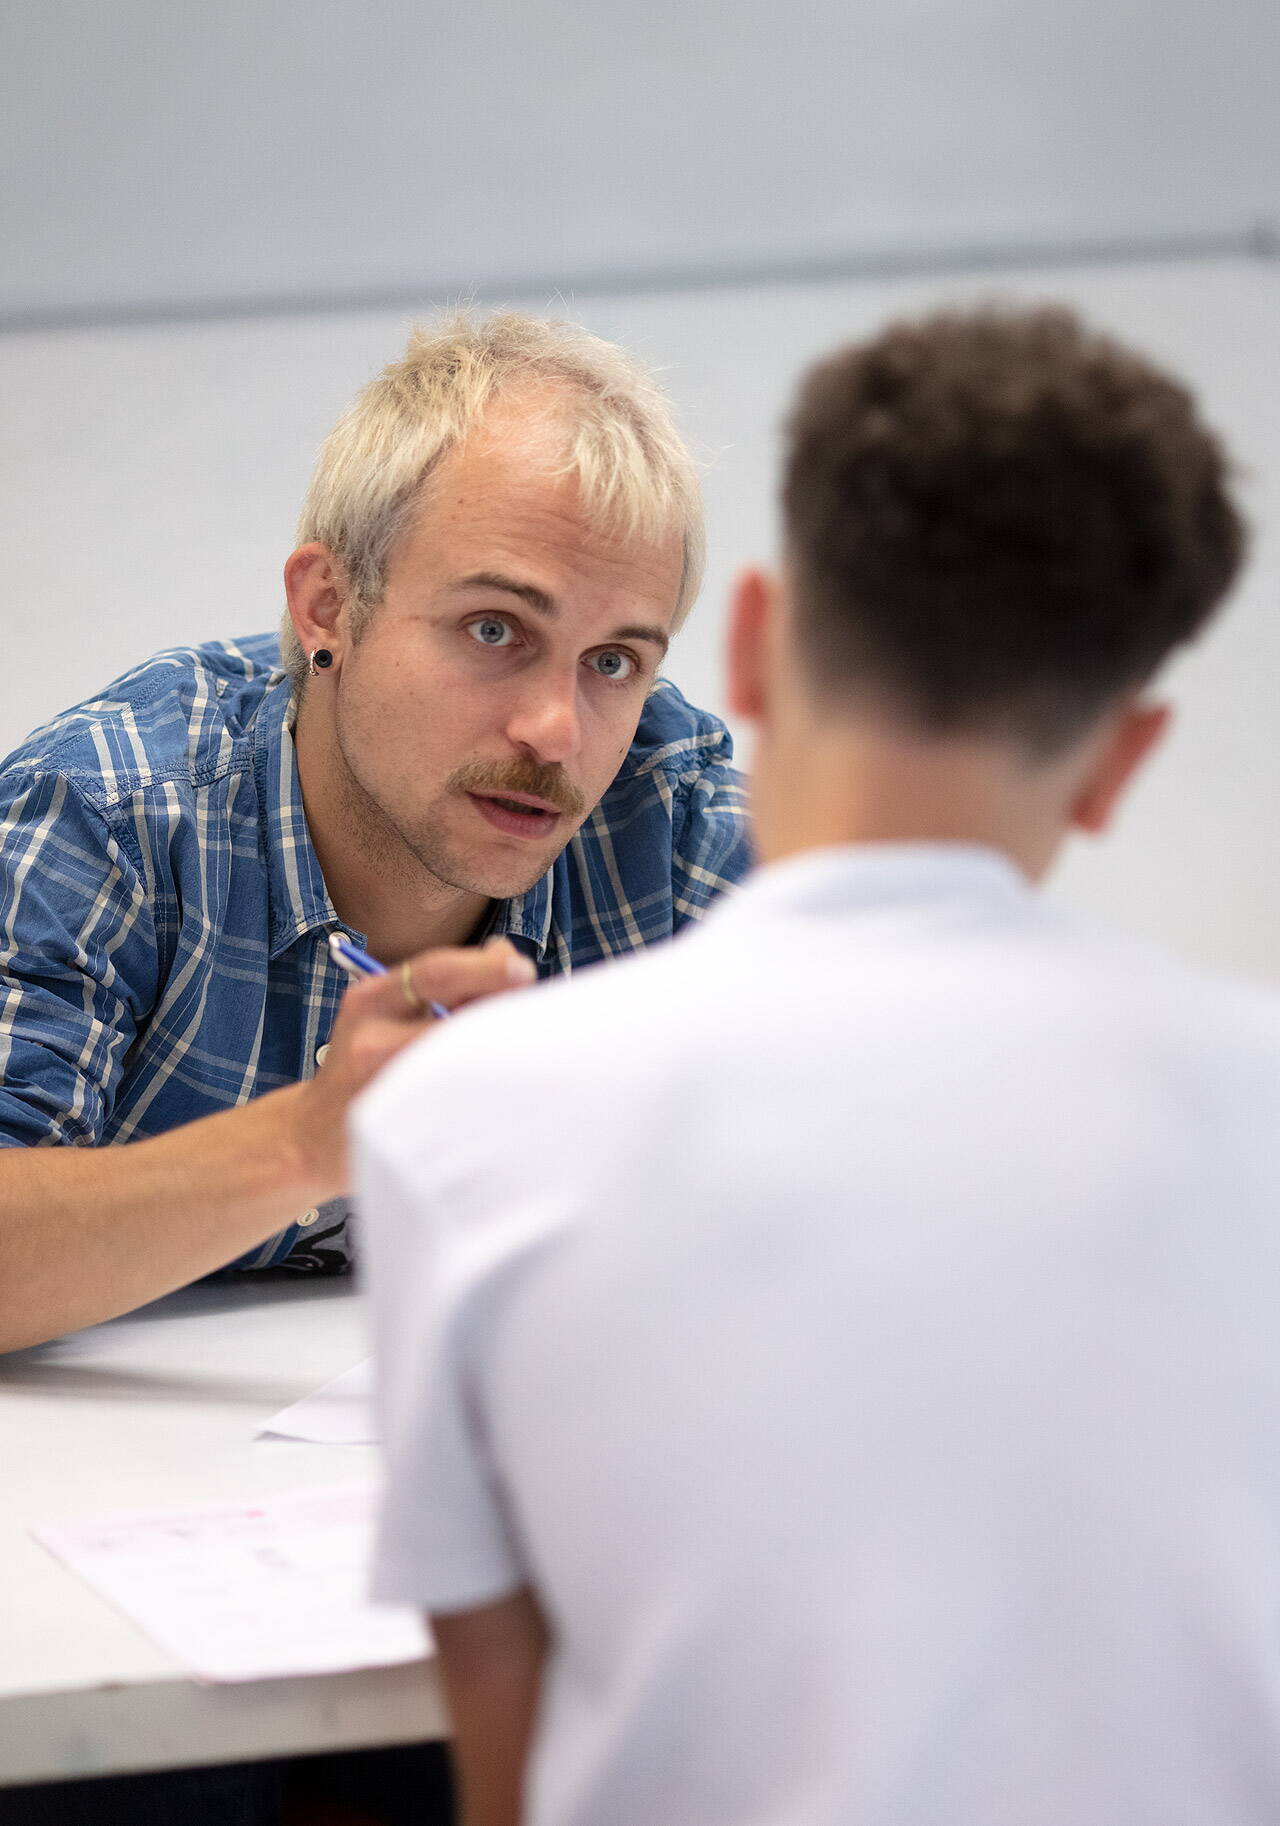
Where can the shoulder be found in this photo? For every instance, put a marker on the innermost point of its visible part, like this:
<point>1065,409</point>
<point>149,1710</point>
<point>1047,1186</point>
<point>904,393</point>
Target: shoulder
<point>1143,975</point>
<point>562,1066</point>
<point>1085,1007</point>
<point>675,738</point>
<point>679,774</point>
<point>187,713</point>
<point>1214,1010</point>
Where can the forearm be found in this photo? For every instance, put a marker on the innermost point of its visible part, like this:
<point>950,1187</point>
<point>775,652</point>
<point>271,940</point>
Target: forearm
<point>491,1663</point>
<point>87,1233</point>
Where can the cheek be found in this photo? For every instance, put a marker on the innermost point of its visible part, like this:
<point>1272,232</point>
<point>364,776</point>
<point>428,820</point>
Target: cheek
<point>402,731</point>
<point>613,738</point>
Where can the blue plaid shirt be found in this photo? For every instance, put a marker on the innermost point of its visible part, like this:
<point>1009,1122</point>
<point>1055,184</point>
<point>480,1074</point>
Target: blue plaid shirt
<point>164,921</point>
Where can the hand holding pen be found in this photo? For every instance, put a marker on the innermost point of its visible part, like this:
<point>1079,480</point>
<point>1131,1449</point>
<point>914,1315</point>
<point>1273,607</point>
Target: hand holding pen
<point>382,1012</point>
<point>457,974</point>
<point>358,965</point>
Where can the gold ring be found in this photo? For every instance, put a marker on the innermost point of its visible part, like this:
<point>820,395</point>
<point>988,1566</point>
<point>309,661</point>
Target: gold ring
<point>413,1000</point>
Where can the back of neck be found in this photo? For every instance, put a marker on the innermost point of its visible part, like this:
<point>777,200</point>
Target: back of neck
<point>868,784</point>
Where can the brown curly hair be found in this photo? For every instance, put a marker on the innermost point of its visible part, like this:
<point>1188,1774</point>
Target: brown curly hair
<point>1001,520</point>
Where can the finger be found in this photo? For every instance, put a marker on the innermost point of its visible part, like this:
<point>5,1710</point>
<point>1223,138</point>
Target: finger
<point>450,976</point>
<point>454,977</point>
<point>377,1000</point>
<point>501,968</point>
<point>375,1044</point>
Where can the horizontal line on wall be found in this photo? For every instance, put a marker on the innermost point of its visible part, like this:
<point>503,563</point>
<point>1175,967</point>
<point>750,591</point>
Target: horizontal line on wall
<point>1261,241</point>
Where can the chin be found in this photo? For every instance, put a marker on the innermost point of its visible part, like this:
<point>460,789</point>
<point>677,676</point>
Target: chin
<point>493,879</point>
<point>510,887</point>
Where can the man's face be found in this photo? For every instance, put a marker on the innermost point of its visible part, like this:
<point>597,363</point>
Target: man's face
<point>496,690</point>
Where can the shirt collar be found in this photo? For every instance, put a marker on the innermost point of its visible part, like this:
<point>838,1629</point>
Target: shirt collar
<point>299,899</point>
<point>527,916</point>
<point>860,877</point>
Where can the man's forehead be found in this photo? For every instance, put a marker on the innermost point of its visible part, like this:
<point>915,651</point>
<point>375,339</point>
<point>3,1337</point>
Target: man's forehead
<point>530,431</point>
<point>495,508</point>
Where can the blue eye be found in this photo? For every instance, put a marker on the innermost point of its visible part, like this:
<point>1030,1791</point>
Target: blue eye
<point>491,632</point>
<point>612,665</point>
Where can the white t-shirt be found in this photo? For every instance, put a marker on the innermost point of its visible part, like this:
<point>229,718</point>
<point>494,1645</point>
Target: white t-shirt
<point>860,1322</point>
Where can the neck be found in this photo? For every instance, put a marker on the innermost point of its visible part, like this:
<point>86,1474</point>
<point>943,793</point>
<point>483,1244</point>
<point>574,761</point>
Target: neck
<point>376,883</point>
<point>875,783</point>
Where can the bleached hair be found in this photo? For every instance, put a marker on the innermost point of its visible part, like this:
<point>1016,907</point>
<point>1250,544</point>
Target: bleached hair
<point>636,477</point>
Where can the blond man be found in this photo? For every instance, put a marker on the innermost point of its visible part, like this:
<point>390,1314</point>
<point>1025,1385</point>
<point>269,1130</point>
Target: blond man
<point>460,755</point>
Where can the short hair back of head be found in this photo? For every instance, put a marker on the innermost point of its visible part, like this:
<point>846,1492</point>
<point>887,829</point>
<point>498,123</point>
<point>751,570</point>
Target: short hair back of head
<point>1000,521</point>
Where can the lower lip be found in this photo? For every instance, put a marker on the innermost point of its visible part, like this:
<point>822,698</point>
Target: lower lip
<point>515,824</point>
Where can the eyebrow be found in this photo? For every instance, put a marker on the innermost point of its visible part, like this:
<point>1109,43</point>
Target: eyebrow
<point>527,592</point>
<point>542,604</point>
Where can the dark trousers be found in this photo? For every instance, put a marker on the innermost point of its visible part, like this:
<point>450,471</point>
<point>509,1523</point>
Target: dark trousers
<point>408,1785</point>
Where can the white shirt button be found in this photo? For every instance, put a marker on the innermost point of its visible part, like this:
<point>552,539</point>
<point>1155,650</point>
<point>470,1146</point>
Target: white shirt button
<point>308,1217</point>
<point>322,1053</point>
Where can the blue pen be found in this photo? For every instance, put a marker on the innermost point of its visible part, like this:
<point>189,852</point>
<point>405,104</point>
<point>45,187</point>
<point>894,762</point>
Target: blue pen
<point>358,964</point>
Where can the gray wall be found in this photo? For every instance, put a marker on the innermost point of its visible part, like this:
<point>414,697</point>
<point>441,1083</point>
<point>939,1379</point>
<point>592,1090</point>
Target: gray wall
<point>161,155</point>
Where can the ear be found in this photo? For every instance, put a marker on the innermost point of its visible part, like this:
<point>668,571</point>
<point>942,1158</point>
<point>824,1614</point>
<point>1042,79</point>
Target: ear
<point>315,588</point>
<point>749,609</point>
<point>1130,740</point>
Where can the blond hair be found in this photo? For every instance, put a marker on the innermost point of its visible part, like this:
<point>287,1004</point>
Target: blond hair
<point>635,474</point>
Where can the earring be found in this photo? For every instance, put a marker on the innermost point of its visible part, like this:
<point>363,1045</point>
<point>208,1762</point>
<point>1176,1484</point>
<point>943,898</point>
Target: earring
<point>320,661</point>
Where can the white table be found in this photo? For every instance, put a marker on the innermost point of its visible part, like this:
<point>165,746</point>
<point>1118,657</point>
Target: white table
<point>154,1409</point>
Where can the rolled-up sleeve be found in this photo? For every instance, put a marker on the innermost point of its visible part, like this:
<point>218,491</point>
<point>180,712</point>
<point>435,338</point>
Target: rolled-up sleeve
<point>78,965</point>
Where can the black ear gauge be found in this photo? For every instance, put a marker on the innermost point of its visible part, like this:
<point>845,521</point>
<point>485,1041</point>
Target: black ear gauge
<point>320,661</point>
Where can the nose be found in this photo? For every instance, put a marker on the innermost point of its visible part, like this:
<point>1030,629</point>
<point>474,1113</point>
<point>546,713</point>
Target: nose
<point>544,722</point>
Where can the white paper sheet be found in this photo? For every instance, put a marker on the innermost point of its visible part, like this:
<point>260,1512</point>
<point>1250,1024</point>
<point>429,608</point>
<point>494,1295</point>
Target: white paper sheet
<point>248,1591</point>
<point>339,1414</point>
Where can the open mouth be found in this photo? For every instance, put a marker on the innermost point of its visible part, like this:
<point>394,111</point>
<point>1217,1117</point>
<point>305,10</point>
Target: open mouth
<point>516,817</point>
<point>519,805</point>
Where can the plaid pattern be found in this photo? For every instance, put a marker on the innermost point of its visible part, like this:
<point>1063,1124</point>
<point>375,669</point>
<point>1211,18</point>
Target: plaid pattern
<point>164,921</point>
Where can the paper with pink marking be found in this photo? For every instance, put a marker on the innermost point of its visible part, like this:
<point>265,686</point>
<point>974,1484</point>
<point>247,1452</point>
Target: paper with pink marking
<point>248,1591</point>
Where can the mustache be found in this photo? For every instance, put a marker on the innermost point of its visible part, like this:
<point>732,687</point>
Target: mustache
<point>544,779</point>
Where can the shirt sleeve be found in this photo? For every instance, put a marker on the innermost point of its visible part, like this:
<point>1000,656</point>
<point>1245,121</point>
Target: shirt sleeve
<point>711,842</point>
<point>78,966</point>
<point>445,1541</point>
